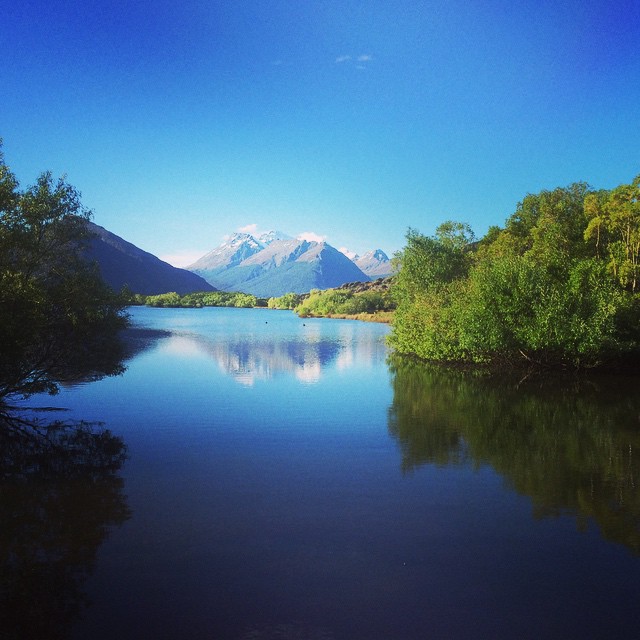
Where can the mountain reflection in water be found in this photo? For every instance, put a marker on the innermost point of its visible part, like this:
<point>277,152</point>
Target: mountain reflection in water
<point>380,501</point>
<point>261,356</point>
<point>570,444</point>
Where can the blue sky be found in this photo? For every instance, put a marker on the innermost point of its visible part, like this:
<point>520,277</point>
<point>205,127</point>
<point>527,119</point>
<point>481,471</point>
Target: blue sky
<point>181,122</point>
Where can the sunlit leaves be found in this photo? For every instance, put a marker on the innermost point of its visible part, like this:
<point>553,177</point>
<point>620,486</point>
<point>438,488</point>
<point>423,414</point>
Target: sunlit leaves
<point>539,291</point>
<point>614,228</point>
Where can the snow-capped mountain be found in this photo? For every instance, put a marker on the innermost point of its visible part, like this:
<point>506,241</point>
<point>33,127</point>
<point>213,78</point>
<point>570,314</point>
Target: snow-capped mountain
<point>280,266</point>
<point>271,265</point>
<point>238,247</point>
<point>375,264</point>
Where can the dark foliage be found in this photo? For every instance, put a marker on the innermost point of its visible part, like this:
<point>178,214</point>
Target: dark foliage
<point>58,320</point>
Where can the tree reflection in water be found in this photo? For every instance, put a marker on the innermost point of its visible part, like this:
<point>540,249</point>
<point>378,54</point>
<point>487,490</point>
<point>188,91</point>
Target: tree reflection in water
<point>568,443</point>
<point>60,495</point>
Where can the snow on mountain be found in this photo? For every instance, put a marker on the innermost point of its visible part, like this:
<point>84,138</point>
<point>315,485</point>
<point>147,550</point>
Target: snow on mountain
<point>352,255</point>
<point>375,264</point>
<point>280,266</point>
<point>278,252</point>
<point>238,247</point>
<point>270,236</point>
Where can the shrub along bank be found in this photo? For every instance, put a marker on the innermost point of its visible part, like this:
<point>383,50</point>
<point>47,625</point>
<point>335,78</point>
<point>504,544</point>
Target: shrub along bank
<point>556,286</point>
<point>201,299</point>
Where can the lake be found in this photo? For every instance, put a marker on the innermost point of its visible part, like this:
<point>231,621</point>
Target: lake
<point>285,478</point>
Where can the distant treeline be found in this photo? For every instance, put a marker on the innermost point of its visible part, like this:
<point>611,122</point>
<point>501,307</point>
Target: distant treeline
<point>331,302</point>
<point>341,302</point>
<point>200,299</point>
<point>557,286</point>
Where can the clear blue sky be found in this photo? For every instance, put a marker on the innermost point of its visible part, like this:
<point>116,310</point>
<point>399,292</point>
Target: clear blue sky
<point>181,122</point>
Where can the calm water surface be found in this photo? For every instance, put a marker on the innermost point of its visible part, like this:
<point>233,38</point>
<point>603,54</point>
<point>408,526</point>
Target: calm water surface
<point>285,480</point>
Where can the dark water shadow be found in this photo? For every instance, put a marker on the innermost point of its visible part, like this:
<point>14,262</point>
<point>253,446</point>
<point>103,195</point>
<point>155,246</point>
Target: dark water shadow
<point>569,443</point>
<point>60,496</point>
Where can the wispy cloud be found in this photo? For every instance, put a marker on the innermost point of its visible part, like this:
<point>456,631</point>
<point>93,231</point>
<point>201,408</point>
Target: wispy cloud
<point>359,62</point>
<point>347,252</point>
<point>249,228</point>
<point>310,236</point>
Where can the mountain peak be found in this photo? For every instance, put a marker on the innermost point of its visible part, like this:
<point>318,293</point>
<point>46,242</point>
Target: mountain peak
<point>276,264</point>
<point>352,255</point>
<point>238,238</point>
<point>270,236</point>
<point>375,254</point>
<point>236,248</point>
<point>375,263</point>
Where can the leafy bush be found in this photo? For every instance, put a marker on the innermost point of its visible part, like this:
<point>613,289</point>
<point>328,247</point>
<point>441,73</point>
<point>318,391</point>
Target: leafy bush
<point>343,302</point>
<point>171,299</point>
<point>552,287</point>
<point>287,301</point>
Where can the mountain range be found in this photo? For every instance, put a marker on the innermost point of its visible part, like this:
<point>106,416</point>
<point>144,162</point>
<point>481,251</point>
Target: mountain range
<point>274,264</point>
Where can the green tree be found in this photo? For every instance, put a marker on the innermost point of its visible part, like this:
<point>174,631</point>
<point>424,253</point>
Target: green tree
<point>557,236</point>
<point>244,300</point>
<point>614,227</point>
<point>538,291</point>
<point>287,301</point>
<point>170,299</point>
<point>429,262</point>
<point>514,309</point>
<point>428,285</point>
<point>58,320</point>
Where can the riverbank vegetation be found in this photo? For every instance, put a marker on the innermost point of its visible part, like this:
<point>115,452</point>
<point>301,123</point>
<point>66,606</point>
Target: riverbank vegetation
<point>58,321</point>
<point>368,301</point>
<point>342,303</point>
<point>558,286</point>
<point>200,299</point>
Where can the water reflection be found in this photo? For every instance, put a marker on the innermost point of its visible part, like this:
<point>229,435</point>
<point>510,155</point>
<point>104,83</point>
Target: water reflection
<point>112,358</point>
<point>569,444</point>
<point>59,497</point>
<point>250,358</point>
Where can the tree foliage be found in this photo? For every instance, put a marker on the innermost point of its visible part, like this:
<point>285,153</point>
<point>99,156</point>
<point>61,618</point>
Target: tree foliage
<point>614,227</point>
<point>343,302</point>
<point>287,301</point>
<point>58,320</point>
<point>556,286</point>
<point>201,299</point>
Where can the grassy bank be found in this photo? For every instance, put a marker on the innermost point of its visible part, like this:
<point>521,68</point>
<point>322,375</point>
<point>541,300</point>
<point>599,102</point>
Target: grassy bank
<point>380,316</point>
